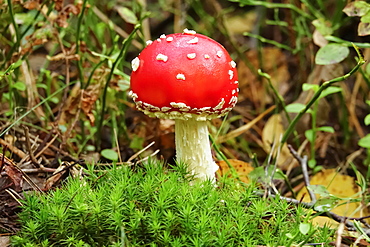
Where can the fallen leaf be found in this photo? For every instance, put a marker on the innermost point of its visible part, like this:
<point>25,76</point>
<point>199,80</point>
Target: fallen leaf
<point>242,169</point>
<point>31,5</point>
<point>342,186</point>
<point>83,99</point>
<point>271,134</point>
<point>319,39</point>
<point>89,97</point>
<point>14,174</point>
<point>56,177</point>
<point>65,13</point>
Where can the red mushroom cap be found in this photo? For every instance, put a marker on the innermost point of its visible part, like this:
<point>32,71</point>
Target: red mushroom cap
<point>184,75</point>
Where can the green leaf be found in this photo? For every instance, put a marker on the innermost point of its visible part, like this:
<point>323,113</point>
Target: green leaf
<point>312,163</point>
<point>127,15</point>
<point>260,173</point>
<point>331,54</point>
<point>123,84</point>
<point>306,87</point>
<point>319,189</point>
<point>295,107</point>
<point>366,18</point>
<point>367,119</point>
<point>109,154</point>
<point>330,90</point>
<point>310,135</point>
<point>304,228</point>
<point>326,129</point>
<point>289,235</point>
<point>364,141</point>
<point>316,168</point>
<point>19,86</point>
<point>323,26</point>
<point>367,69</point>
<point>55,100</point>
<point>325,204</point>
<point>356,8</point>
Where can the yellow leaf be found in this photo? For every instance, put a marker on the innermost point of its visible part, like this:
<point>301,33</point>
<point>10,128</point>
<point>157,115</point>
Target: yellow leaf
<point>271,135</point>
<point>342,186</point>
<point>242,169</point>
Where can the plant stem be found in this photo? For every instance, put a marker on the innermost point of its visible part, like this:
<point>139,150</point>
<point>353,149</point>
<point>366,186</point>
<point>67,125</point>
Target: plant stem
<point>316,96</point>
<point>276,5</point>
<point>125,45</point>
<point>79,62</point>
<point>280,100</point>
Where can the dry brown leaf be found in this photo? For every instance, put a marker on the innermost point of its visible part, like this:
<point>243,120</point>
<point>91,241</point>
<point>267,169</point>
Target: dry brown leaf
<point>65,13</point>
<point>339,185</point>
<point>89,97</point>
<point>271,134</point>
<point>319,39</point>
<point>242,169</point>
<point>363,29</point>
<point>55,178</point>
<point>13,173</point>
<point>58,5</point>
<point>81,99</point>
<point>71,107</point>
<point>31,5</point>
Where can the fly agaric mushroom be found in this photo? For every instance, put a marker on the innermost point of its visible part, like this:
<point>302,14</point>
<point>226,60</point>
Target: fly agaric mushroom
<point>190,78</point>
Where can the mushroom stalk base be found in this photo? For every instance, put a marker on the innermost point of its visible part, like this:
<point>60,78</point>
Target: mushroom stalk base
<point>193,148</point>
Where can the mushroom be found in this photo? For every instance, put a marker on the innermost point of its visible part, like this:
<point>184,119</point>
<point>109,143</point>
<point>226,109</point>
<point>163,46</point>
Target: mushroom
<point>190,78</point>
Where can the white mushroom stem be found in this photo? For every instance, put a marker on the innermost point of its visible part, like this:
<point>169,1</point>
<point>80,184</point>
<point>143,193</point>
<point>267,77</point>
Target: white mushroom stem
<point>193,148</point>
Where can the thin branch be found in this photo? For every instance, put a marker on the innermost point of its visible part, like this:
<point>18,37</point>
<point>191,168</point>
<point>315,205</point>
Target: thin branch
<point>303,162</point>
<point>29,148</point>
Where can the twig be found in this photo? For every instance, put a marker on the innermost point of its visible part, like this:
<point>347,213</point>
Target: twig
<point>46,146</point>
<point>13,149</point>
<point>35,170</point>
<point>67,167</point>
<point>340,219</point>
<point>309,205</point>
<point>28,144</point>
<point>234,133</point>
<point>31,110</point>
<point>303,162</point>
<point>140,152</point>
<point>13,194</point>
<point>340,231</point>
<point>3,158</point>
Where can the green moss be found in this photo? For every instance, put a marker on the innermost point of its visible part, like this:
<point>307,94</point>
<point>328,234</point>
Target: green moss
<point>152,206</point>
